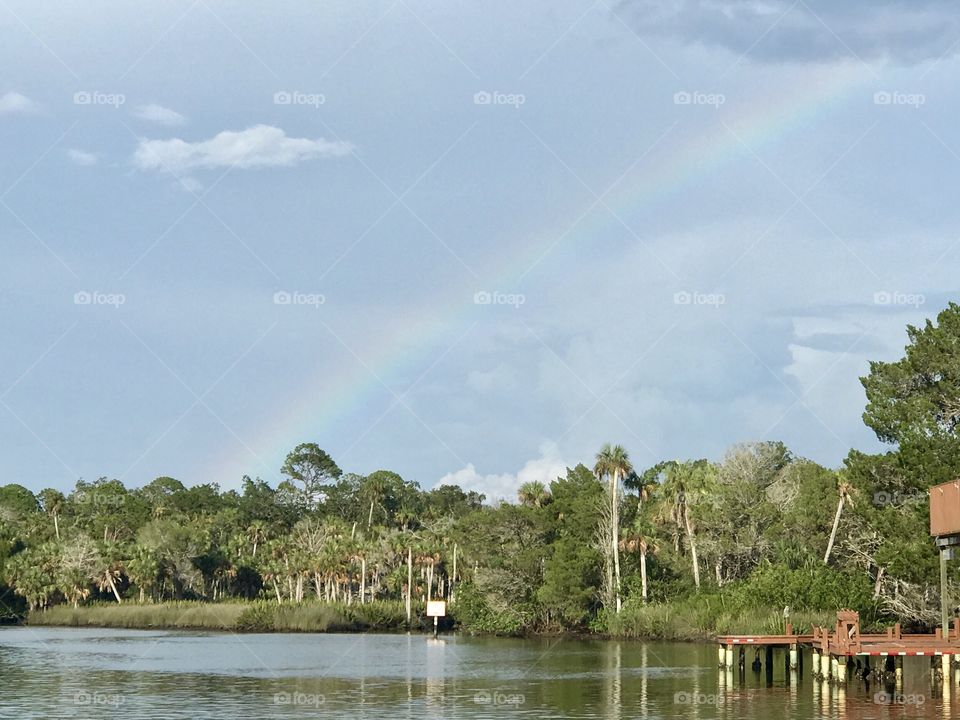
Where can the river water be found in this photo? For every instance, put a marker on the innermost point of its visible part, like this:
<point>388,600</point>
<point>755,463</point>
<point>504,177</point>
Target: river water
<point>91,673</point>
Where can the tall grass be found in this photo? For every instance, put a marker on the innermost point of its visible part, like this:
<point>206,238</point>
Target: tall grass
<point>706,616</point>
<point>236,616</point>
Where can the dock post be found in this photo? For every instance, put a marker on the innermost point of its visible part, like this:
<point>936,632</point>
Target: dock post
<point>842,671</point>
<point>898,672</point>
<point>721,656</point>
<point>944,601</point>
<point>816,662</point>
<point>768,664</point>
<point>945,668</point>
<point>793,657</point>
<point>728,657</point>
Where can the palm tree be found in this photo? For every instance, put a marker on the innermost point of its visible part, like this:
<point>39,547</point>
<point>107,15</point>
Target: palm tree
<point>256,534</point>
<point>143,569</point>
<point>53,502</point>
<point>684,481</point>
<point>640,540</point>
<point>533,494</point>
<point>644,484</point>
<point>109,569</point>
<point>614,463</point>
<point>374,489</point>
<point>845,492</point>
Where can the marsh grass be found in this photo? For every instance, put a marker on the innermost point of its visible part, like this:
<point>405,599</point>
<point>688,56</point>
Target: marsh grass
<point>704,617</point>
<point>235,616</point>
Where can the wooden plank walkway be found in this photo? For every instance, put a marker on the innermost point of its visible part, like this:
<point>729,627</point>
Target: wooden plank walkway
<point>832,651</point>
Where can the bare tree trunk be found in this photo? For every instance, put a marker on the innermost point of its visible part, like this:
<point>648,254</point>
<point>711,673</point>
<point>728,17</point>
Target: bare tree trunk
<point>370,515</point>
<point>877,585</point>
<point>409,584</point>
<point>693,548</point>
<point>833,533</point>
<point>113,587</point>
<point>363,580</point>
<point>453,578</point>
<point>643,574</point>
<point>56,526</point>
<point>615,536</point>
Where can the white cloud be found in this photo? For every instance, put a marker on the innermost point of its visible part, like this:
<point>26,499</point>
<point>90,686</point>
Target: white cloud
<point>160,115</point>
<point>81,157</point>
<point>14,102</point>
<point>258,146</point>
<point>546,468</point>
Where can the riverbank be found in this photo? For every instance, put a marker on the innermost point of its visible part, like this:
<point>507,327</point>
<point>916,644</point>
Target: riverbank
<point>232,616</point>
<point>694,620</point>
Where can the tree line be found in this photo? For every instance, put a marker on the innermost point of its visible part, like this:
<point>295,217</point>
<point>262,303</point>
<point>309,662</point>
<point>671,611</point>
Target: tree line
<point>760,525</point>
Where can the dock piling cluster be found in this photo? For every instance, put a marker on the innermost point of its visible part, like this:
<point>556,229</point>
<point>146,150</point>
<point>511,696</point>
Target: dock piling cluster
<point>844,652</point>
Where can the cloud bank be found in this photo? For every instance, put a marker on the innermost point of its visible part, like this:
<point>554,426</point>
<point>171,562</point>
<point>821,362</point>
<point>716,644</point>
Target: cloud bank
<point>546,468</point>
<point>256,147</point>
<point>805,30</point>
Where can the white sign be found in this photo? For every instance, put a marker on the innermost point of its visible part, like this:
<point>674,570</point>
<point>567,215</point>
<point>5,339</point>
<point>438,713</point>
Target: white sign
<point>436,608</point>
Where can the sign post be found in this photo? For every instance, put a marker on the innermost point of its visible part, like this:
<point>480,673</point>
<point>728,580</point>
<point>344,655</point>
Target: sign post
<point>436,609</point>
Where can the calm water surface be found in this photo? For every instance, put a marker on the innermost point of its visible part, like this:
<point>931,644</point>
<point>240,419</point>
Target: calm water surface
<point>89,673</point>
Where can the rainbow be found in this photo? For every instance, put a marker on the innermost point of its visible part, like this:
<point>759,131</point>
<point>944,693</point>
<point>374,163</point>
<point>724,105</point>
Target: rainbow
<point>662,174</point>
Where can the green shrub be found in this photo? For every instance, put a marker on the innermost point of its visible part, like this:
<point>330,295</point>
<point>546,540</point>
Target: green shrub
<point>475,614</point>
<point>257,617</point>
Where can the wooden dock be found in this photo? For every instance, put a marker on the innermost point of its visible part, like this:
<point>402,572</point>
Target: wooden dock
<point>835,653</point>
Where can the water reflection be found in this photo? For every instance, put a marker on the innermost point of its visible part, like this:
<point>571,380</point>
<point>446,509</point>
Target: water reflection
<point>93,673</point>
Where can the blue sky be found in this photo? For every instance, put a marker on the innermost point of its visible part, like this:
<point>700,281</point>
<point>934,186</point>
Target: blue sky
<point>467,243</point>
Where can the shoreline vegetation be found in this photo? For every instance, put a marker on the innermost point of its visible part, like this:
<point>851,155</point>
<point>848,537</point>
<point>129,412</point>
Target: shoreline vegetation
<point>678,550</point>
<point>650,623</point>
<point>254,616</point>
